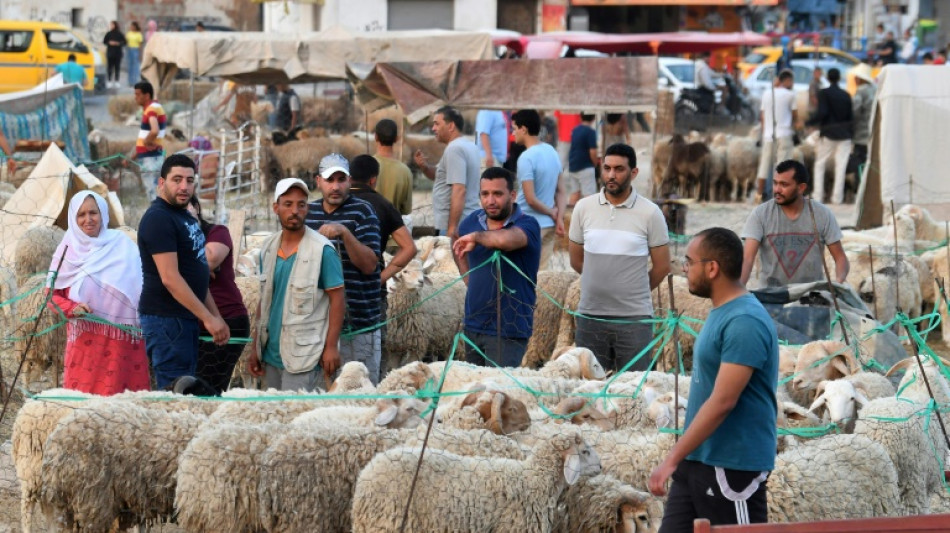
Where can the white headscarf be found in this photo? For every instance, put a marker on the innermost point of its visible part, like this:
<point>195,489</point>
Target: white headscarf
<point>103,272</point>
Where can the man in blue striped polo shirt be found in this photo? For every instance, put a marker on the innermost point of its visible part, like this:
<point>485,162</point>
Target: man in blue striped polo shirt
<point>353,227</point>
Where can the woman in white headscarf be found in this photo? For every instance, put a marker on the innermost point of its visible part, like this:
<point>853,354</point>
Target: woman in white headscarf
<point>97,288</point>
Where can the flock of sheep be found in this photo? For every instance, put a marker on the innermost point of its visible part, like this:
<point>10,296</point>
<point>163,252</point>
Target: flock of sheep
<point>556,445</point>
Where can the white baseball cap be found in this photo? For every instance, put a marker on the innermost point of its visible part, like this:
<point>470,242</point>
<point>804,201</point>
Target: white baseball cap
<point>333,163</point>
<point>286,184</point>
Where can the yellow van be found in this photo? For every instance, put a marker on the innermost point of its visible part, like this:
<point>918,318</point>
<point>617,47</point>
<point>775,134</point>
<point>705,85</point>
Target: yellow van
<point>31,50</point>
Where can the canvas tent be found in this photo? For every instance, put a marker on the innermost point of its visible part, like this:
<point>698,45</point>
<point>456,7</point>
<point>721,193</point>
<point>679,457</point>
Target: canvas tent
<point>258,57</point>
<point>615,84</point>
<point>907,158</point>
<point>43,199</point>
<point>48,111</point>
<point>680,42</point>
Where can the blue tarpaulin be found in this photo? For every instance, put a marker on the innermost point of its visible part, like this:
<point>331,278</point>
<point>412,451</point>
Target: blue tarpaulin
<point>53,114</point>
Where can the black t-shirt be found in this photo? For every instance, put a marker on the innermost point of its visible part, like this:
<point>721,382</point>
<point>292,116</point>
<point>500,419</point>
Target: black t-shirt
<point>892,56</point>
<point>390,219</point>
<point>166,229</point>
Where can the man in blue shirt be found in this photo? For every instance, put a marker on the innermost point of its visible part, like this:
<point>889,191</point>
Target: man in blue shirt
<point>499,328</point>
<point>72,72</point>
<point>491,132</point>
<point>539,168</point>
<point>720,465</point>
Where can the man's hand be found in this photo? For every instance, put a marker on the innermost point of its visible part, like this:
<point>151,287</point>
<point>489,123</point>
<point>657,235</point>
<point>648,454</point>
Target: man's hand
<point>464,245</point>
<point>218,329</point>
<point>254,365</point>
<point>333,231</point>
<point>420,159</point>
<point>489,160</point>
<point>659,477</point>
<point>330,361</point>
<point>558,223</point>
<point>81,309</point>
<point>11,166</point>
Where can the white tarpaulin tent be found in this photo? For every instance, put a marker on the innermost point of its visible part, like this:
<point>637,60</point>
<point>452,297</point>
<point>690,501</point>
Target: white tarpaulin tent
<point>908,156</point>
<point>42,200</point>
<point>257,57</point>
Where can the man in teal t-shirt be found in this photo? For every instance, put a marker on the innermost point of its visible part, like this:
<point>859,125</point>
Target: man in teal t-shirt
<point>72,72</point>
<point>720,465</point>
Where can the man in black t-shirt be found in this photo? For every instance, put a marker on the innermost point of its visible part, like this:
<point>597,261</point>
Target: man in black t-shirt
<point>364,170</point>
<point>175,277</point>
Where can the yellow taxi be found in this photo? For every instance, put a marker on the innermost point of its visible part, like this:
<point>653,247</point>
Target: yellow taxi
<point>771,54</point>
<point>31,50</point>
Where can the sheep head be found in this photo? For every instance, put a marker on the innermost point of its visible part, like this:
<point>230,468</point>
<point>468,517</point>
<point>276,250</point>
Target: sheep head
<point>395,413</point>
<point>353,376</point>
<point>579,411</point>
<point>633,513</point>
<point>583,362</point>
<point>580,459</point>
<point>410,278</point>
<point>504,414</point>
<point>661,409</point>
<point>840,399</point>
<point>821,360</point>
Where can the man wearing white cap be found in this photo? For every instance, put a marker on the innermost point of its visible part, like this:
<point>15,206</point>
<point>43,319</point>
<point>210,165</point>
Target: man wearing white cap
<point>299,335</point>
<point>352,226</point>
<point>862,103</point>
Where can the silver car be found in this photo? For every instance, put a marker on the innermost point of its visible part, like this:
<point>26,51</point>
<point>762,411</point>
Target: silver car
<point>761,78</point>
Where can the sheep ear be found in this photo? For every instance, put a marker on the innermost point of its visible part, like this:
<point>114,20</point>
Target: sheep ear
<point>572,468</point>
<point>819,401</point>
<point>591,365</point>
<point>472,397</point>
<point>860,395</point>
<point>428,265</point>
<point>840,363</point>
<point>387,416</point>
<point>495,422</point>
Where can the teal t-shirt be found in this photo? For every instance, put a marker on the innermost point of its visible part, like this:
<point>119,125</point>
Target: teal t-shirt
<point>72,72</point>
<point>742,332</point>
<point>331,276</point>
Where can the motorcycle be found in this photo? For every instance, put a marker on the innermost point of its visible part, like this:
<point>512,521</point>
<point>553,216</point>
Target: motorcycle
<point>697,109</point>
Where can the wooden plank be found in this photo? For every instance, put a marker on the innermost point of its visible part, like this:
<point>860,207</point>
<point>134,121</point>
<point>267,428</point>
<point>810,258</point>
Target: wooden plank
<point>935,523</point>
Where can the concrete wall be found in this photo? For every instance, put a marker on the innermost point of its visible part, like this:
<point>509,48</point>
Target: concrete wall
<point>367,15</point>
<point>93,19</point>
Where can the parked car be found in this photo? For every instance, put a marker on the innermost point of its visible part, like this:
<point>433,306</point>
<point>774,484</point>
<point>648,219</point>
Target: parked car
<point>31,50</point>
<point>803,55</point>
<point>676,74</point>
<point>761,78</point>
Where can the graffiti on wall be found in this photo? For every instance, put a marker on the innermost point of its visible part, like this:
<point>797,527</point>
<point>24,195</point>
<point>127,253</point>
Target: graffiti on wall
<point>60,17</point>
<point>96,28</point>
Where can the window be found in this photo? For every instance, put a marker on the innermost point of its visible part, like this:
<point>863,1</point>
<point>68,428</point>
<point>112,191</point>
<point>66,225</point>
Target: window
<point>684,73</point>
<point>767,74</point>
<point>75,15</point>
<point>65,41</point>
<point>15,41</point>
<point>802,74</point>
<point>754,58</point>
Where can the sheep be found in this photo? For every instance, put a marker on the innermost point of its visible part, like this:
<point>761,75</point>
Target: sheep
<point>250,289</point>
<point>271,407</point>
<point>475,442</point>
<point>902,428</point>
<point>718,178</point>
<point>883,297</point>
<point>111,481</point>
<point>495,411</point>
<point>533,487</point>
<point>913,387</point>
<point>7,304</point>
<point>218,477</point>
<point>661,382</point>
<point>687,168</point>
<point>36,419</point>
<point>927,229</point>
<point>551,288</point>
<point>627,409</point>
<point>833,477</point>
<point>818,361</point>
<point>46,349</point>
<point>353,378</point>
<point>604,504</point>
<point>412,378</point>
<point>392,413</point>
<point>568,325</point>
<point>425,312</point>
<point>742,165</point>
<point>308,474</point>
<point>578,411</point>
<point>840,398</point>
<point>572,364</point>
<point>34,251</point>
<point>435,253</point>
<point>662,151</point>
<point>792,417</point>
<point>300,158</point>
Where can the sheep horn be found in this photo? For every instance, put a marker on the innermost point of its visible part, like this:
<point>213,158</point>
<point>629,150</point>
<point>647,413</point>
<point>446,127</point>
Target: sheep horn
<point>898,366</point>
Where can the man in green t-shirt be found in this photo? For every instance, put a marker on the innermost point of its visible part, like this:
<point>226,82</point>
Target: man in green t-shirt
<point>297,333</point>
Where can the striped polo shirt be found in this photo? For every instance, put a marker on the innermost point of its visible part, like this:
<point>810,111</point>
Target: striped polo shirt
<point>362,290</point>
<point>617,241</point>
<point>153,109</point>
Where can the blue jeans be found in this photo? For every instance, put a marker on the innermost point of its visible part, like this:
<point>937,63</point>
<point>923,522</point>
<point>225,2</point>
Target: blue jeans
<point>134,65</point>
<point>172,347</point>
<point>503,351</point>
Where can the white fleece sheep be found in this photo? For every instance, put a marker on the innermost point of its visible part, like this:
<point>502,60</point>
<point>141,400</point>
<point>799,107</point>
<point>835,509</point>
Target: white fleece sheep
<point>791,416</point>
<point>833,477</point>
<point>391,413</point>
<point>927,228</point>
<point>460,493</point>
<point>425,312</point>
<point>411,377</point>
<point>498,412</point>
<point>44,361</point>
<point>838,400</point>
<point>7,294</point>
<point>819,361</point>
<point>551,285</point>
<point>472,442</point>
<point>913,387</point>
<point>435,254</point>
<point>629,408</point>
<point>899,426</point>
<point>353,378</point>
<point>882,296</point>
<point>742,164</point>
<point>113,460</point>
<point>250,289</point>
<point>308,474</point>
<point>34,251</point>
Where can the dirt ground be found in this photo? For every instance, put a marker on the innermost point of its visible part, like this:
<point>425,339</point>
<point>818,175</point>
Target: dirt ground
<point>699,216</point>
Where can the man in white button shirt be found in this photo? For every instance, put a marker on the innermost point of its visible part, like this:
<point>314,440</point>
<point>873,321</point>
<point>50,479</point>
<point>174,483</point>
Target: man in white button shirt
<point>778,115</point>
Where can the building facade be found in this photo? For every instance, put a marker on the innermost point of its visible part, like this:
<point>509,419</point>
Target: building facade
<point>381,15</point>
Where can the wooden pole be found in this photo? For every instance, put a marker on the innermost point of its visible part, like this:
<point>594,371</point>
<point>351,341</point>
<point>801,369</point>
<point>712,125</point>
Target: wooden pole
<point>676,367</point>
<point>873,285</point>
<point>824,264</point>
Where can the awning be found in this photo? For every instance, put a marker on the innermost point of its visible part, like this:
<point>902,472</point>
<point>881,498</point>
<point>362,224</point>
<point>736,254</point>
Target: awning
<point>615,84</point>
<point>263,58</point>
<point>682,42</point>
